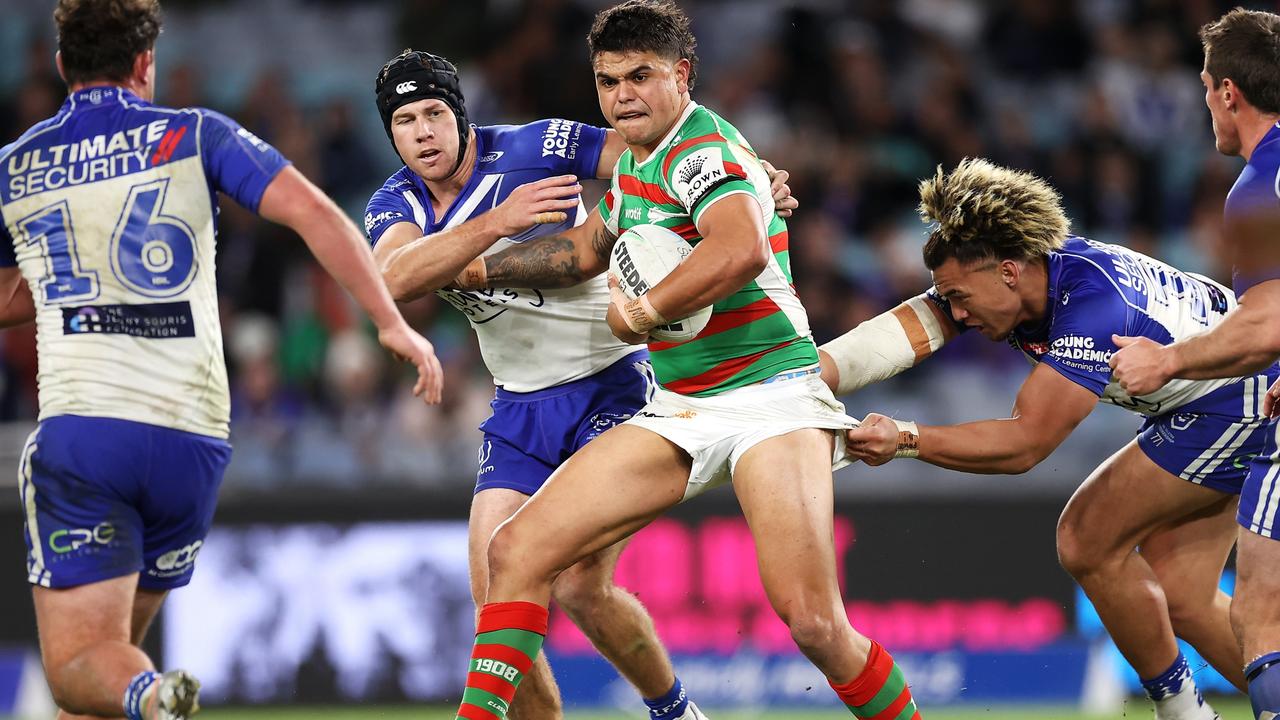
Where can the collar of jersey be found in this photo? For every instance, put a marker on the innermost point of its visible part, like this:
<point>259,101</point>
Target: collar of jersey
<point>74,100</point>
<point>1053,274</point>
<point>675,130</point>
<point>462,194</point>
<point>1272,136</point>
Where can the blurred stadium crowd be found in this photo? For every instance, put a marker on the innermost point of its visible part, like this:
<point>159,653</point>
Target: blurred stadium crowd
<point>858,99</point>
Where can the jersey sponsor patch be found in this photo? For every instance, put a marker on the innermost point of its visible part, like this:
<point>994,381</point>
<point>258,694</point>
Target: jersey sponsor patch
<point>155,321</point>
<point>373,220</point>
<point>561,139</point>
<point>1081,352</point>
<point>695,176</point>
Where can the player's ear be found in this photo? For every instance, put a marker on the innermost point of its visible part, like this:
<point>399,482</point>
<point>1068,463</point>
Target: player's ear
<point>682,68</point>
<point>142,65</point>
<point>1009,272</point>
<point>57,60</point>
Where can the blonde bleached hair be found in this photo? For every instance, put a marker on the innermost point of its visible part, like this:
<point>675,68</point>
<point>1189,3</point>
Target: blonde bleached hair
<point>984,212</point>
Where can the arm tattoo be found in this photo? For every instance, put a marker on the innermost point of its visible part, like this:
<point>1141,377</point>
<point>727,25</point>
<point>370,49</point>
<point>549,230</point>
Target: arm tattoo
<point>548,262</point>
<point>602,244</point>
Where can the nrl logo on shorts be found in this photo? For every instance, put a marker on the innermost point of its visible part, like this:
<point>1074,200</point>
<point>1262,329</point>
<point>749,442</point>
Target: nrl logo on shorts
<point>692,168</point>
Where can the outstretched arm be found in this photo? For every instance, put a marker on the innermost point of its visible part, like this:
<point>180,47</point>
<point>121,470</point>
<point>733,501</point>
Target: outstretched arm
<point>553,261</point>
<point>885,345</point>
<point>1048,408</point>
<point>294,201</point>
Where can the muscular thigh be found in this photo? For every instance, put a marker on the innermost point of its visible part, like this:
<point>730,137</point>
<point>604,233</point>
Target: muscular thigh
<point>1129,496</point>
<point>612,487</point>
<point>784,487</point>
<point>71,619</point>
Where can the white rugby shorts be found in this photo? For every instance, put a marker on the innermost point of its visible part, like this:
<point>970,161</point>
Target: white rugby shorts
<point>716,431</point>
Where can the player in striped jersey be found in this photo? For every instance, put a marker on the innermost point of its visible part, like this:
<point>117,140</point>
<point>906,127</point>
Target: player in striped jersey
<point>107,213</point>
<point>1004,265</point>
<point>740,403</point>
<point>562,378</point>
<point>1242,91</point>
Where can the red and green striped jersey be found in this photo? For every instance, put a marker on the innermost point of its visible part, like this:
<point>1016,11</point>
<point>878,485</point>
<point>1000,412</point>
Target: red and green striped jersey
<point>758,331</point>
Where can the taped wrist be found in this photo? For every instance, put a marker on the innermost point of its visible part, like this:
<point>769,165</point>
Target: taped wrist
<point>885,345</point>
<point>640,315</point>
<point>908,439</point>
<point>475,276</point>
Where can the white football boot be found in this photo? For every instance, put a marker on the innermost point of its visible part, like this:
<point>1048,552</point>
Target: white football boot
<point>177,696</point>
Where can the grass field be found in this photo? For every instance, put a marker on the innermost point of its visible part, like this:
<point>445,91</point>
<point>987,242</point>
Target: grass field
<point>1233,709</point>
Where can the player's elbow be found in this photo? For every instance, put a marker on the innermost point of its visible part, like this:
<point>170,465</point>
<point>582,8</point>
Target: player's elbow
<point>747,266</point>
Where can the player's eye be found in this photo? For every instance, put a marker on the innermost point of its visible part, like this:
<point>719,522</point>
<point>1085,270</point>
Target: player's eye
<point>639,78</point>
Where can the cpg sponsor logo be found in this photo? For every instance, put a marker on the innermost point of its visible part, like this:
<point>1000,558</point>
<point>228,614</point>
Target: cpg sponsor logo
<point>253,140</point>
<point>407,86</point>
<point>176,561</point>
<point>71,539</point>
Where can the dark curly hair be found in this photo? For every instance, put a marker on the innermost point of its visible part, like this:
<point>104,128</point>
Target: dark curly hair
<point>1244,45</point>
<point>656,26</point>
<point>99,39</point>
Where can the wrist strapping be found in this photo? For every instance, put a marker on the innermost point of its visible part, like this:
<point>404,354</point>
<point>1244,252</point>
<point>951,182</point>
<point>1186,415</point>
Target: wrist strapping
<point>908,439</point>
<point>475,276</point>
<point>640,315</point>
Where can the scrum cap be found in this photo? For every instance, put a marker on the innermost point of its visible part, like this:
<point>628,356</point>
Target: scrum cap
<point>414,75</point>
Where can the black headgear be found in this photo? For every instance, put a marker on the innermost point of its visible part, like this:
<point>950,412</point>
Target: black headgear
<point>413,75</point>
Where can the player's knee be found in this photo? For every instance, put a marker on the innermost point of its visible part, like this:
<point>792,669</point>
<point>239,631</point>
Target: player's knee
<point>1078,551</point>
<point>813,631</point>
<point>62,687</point>
<point>581,593</point>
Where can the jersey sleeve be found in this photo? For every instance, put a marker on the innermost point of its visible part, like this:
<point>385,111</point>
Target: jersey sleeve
<point>1080,335</point>
<point>608,206</point>
<point>568,147</point>
<point>703,170</point>
<point>237,162</point>
<point>385,208</point>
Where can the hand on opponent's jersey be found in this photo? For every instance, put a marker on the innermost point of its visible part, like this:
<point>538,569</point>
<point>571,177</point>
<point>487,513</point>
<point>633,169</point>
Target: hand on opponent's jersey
<point>783,203</point>
<point>546,201</point>
<point>409,346</point>
<point>1141,366</point>
<point>874,441</point>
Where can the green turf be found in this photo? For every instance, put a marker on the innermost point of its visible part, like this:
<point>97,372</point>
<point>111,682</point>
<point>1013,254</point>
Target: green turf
<point>1233,709</point>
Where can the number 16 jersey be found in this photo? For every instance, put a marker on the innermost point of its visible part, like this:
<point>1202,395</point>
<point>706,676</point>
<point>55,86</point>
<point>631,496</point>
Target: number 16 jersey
<point>108,208</point>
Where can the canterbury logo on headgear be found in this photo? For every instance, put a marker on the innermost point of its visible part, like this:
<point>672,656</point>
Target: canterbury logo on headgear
<point>405,87</point>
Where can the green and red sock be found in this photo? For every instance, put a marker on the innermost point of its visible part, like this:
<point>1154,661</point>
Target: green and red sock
<point>508,638</point>
<point>880,692</point>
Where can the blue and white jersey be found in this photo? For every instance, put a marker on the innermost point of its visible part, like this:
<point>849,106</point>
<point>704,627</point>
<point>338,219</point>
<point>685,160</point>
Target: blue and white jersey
<point>108,208</point>
<point>1096,290</point>
<point>530,339</point>
<point>1256,192</point>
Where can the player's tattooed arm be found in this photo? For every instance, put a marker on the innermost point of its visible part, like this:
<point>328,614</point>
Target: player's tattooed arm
<point>554,261</point>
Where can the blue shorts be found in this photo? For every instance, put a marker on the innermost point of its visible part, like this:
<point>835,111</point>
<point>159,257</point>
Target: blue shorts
<point>104,498</point>
<point>530,434</point>
<point>1211,441</point>
<point>1261,495</point>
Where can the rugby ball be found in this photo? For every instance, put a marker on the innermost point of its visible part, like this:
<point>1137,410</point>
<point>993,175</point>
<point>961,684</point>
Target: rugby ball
<point>642,256</point>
